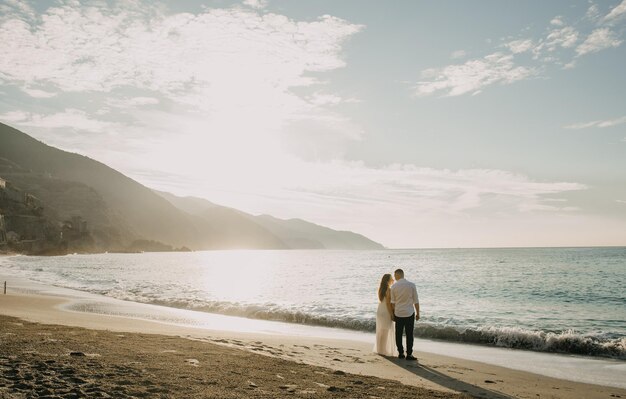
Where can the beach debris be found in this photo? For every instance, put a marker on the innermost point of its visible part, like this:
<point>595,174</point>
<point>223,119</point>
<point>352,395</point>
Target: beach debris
<point>252,384</point>
<point>280,376</point>
<point>335,389</point>
<point>77,354</point>
<point>490,382</point>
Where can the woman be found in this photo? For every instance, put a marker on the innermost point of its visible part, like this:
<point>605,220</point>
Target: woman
<point>385,328</point>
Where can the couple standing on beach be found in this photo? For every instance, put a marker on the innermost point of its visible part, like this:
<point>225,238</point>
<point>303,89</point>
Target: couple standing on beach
<point>399,304</point>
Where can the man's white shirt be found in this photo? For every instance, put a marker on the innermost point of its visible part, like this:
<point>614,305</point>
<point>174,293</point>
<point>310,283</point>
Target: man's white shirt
<point>404,296</point>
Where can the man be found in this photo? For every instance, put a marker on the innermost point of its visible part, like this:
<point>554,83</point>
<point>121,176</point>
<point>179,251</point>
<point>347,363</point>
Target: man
<point>406,310</point>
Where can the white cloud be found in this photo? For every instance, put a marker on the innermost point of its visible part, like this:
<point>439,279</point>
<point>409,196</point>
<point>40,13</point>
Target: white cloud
<point>618,12</point>
<point>592,13</point>
<point>322,99</point>
<point>14,116</point>
<point>599,39</point>
<point>436,190</point>
<point>472,76</point>
<point>127,102</point>
<point>70,118</point>
<point>563,37</point>
<point>553,49</point>
<point>106,48</point>
<point>557,21</point>
<point>36,93</point>
<point>520,46</point>
<point>258,4</point>
<point>458,54</point>
<point>598,123</point>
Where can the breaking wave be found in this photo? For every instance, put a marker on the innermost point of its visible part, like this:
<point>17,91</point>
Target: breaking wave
<point>569,342</point>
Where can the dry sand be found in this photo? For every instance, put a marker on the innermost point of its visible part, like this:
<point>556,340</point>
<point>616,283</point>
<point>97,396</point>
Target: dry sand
<point>126,357</point>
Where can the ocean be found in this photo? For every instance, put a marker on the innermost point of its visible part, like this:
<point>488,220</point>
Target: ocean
<point>565,300</point>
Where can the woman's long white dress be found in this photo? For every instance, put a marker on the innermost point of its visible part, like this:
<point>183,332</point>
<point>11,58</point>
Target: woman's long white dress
<point>385,332</point>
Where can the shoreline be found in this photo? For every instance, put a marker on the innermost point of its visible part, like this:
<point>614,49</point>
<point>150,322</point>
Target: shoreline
<point>298,343</point>
<point>522,340</point>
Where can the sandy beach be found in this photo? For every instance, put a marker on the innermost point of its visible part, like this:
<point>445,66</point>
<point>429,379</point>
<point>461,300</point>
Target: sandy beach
<point>49,351</point>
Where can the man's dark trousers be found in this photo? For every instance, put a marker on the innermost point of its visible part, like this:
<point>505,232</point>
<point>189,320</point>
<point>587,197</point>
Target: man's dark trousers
<point>405,324</point>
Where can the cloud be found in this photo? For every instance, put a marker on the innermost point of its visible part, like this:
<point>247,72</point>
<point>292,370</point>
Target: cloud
<point>258,4</point>
<point>598,123</point>
<point>593,12</point>
<point>520,46</point>
<point>557,21</point>
<point>599,39</point>
<point>70,119</point>
<point>617,12</point>
<point>106,48</point>
<point>559,46</point>
<point>435,190</point>
<point>126,102</point>
<point>322,99</point>
<point>36,93</point>
<point>472,76</point>
<point>564,37</point>
<point>458,54</point>
<point>14,116</point>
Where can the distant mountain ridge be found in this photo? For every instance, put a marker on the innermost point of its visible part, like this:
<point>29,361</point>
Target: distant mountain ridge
<point>119,210</point>
<point>292,233</point>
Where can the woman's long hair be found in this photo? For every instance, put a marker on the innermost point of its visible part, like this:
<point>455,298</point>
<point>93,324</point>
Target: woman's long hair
<point>384,286</point>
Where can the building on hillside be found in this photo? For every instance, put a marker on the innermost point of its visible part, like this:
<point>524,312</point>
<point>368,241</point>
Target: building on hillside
<point>8,192</point>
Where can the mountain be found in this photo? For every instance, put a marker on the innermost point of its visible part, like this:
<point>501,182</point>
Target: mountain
<point>225,228</point>
<point>119,211</point>
<point>298,233</point>
<point>292,233</point>
<point>129,206</point>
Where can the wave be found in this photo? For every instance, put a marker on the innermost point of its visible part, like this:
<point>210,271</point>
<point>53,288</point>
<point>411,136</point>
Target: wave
<point>567,342</point>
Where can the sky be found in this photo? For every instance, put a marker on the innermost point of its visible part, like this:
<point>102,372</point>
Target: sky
<point>419,124</point>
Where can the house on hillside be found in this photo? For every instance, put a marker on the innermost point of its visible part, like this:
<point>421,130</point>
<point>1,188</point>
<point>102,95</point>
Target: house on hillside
<point>8,192</point>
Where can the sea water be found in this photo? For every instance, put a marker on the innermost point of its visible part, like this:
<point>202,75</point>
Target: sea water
<point>567,300</point>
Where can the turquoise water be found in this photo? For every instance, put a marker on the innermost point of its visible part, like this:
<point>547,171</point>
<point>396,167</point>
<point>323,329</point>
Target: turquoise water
<point>570,300</point>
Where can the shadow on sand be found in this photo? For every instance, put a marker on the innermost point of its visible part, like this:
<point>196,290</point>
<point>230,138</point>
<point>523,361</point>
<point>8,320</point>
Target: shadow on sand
<point>447,381</point>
